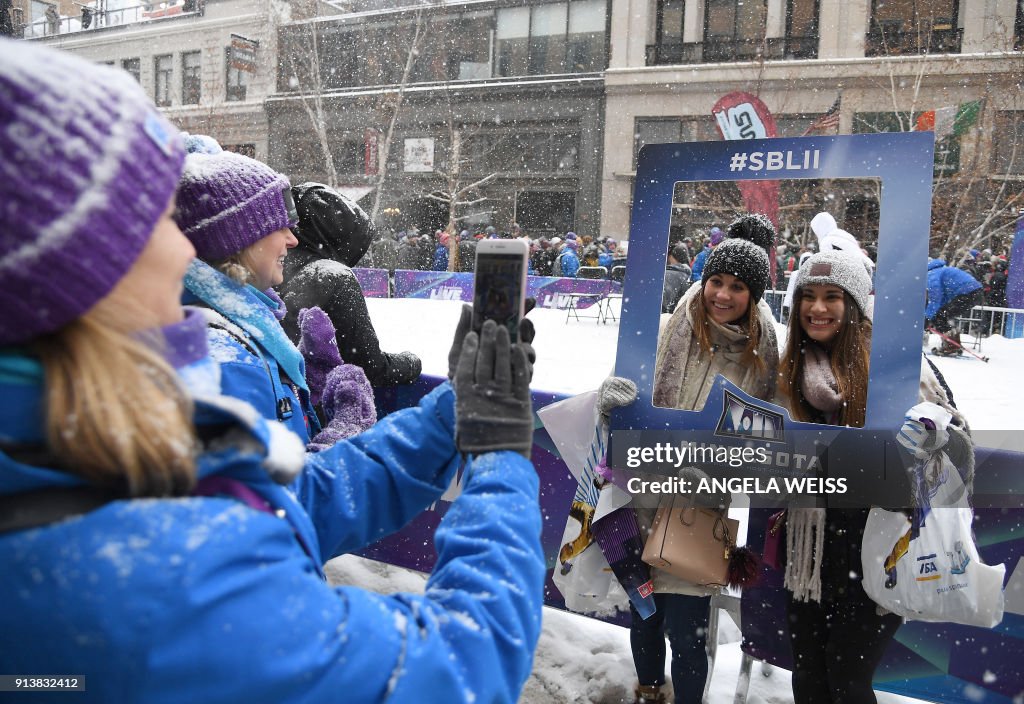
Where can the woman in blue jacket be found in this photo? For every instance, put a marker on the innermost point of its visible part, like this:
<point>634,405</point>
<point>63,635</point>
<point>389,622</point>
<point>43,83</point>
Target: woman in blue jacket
<point>164,543</point>
<point>237,212</point>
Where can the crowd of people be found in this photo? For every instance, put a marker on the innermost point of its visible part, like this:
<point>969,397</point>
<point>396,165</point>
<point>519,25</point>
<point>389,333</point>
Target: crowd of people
<point>191,432</point>
<point>549,256</point>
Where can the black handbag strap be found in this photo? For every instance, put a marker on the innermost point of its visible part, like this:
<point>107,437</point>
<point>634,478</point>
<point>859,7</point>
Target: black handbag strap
<point>32,509</point>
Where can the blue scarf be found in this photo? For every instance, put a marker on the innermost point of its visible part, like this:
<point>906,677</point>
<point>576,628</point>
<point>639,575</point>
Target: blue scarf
<point>249,309</point>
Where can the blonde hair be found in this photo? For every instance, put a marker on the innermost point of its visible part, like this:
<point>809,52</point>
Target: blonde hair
<point>702,324</point>
<point>849,358</point>
<point>115,413</point>
<point>237,267</point>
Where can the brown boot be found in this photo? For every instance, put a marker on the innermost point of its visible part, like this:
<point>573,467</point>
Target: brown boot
<point>649,694</point>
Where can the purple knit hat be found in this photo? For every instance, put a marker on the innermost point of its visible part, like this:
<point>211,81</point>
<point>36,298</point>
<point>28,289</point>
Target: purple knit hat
<point>227,201</point>
<point>87,168</point>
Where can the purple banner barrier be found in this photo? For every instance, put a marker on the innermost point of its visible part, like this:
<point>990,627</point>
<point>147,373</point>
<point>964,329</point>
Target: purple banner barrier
<point>550,291</point>
<point>374,282</point>
<point>435,285</point>
<point>939,662</point>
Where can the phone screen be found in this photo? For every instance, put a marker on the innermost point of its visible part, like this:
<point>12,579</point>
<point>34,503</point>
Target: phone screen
<point>497,291</point>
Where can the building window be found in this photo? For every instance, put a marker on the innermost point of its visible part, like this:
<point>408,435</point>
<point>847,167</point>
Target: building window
<point>733,29</point>
<point>133,67</point>
<point>339,51</point>
<point>513,37</point>
<point>349,156</point>
<point>586,43</point>
<point>801,29</point>
<point>1018,26</point>
<point>247,149</point>
<point>191,85</point>
<point>540,150</point>
<point>236,81</point>
<point>1008,143</point>
<point>470,57</point>
<point>551,38</point>
<point>163,70</point>
<point>547,39</point>
<point>668,33</point>
<point>656,130</point>
<point>546,212</point>
<point>913,27</point>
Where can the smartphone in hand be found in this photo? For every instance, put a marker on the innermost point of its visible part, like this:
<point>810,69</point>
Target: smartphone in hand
<point>499,284</point>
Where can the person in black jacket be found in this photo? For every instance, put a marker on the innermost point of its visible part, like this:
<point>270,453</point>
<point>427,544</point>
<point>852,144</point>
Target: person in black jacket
<point>334,233</point>
<point>467,252</point>
<point>677,278</point>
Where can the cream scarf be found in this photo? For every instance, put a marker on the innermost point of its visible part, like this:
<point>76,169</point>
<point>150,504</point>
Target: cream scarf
<point>805,527</point>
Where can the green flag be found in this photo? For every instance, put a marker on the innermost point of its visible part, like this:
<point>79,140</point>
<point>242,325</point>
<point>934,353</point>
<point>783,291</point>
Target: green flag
<point>966,115</point>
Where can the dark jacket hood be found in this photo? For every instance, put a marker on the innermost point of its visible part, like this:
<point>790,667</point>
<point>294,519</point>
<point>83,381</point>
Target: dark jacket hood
<point>331,225</point>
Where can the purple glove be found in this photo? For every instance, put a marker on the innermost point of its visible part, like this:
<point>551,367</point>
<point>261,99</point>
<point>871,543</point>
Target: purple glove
<point>348,405</point>
<point>319,348</point>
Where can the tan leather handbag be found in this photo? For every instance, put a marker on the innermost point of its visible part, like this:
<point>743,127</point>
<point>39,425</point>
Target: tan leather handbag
<point>691,543</point>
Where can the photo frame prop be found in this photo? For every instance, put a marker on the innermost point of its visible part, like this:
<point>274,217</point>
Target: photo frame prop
<point>866,458</point>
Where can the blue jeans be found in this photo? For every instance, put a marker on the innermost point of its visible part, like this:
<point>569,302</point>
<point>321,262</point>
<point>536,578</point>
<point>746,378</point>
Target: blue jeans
<point>685,620</point>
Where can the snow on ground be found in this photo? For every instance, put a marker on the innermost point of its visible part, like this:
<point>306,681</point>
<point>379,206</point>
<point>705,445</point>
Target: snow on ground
<point>580,659</point>
<point>574,356</point>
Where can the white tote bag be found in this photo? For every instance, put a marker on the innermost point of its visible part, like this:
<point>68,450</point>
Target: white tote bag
<point>936,575</point>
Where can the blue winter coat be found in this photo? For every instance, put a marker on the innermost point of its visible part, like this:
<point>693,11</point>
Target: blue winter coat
<point>441,258</point>
<point>698,264</point>
<point>208,600</point>
<point>946,283</point>
<point>259,364</point>
<point>605,259</point>
<point>570,263</point>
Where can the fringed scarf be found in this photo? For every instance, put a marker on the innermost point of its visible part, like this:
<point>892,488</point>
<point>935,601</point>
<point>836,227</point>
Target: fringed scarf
<point>805,527</point>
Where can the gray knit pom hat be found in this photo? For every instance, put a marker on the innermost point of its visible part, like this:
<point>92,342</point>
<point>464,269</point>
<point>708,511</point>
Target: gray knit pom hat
<point>840,269</point>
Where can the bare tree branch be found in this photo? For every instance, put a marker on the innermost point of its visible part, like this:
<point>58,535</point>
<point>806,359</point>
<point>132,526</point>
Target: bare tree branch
<point>385,149</point>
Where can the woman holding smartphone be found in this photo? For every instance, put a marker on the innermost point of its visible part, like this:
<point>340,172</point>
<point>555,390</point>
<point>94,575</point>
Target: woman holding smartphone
<point>716,329</point>
<point>166,542</point>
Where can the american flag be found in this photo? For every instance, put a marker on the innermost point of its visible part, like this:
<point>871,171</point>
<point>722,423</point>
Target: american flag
<point>829,120</point>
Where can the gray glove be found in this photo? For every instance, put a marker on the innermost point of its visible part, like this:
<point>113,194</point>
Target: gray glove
<point>465,323</point>
<point>492,394</point>
<point>526,335</point>
<point>615,391</point>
